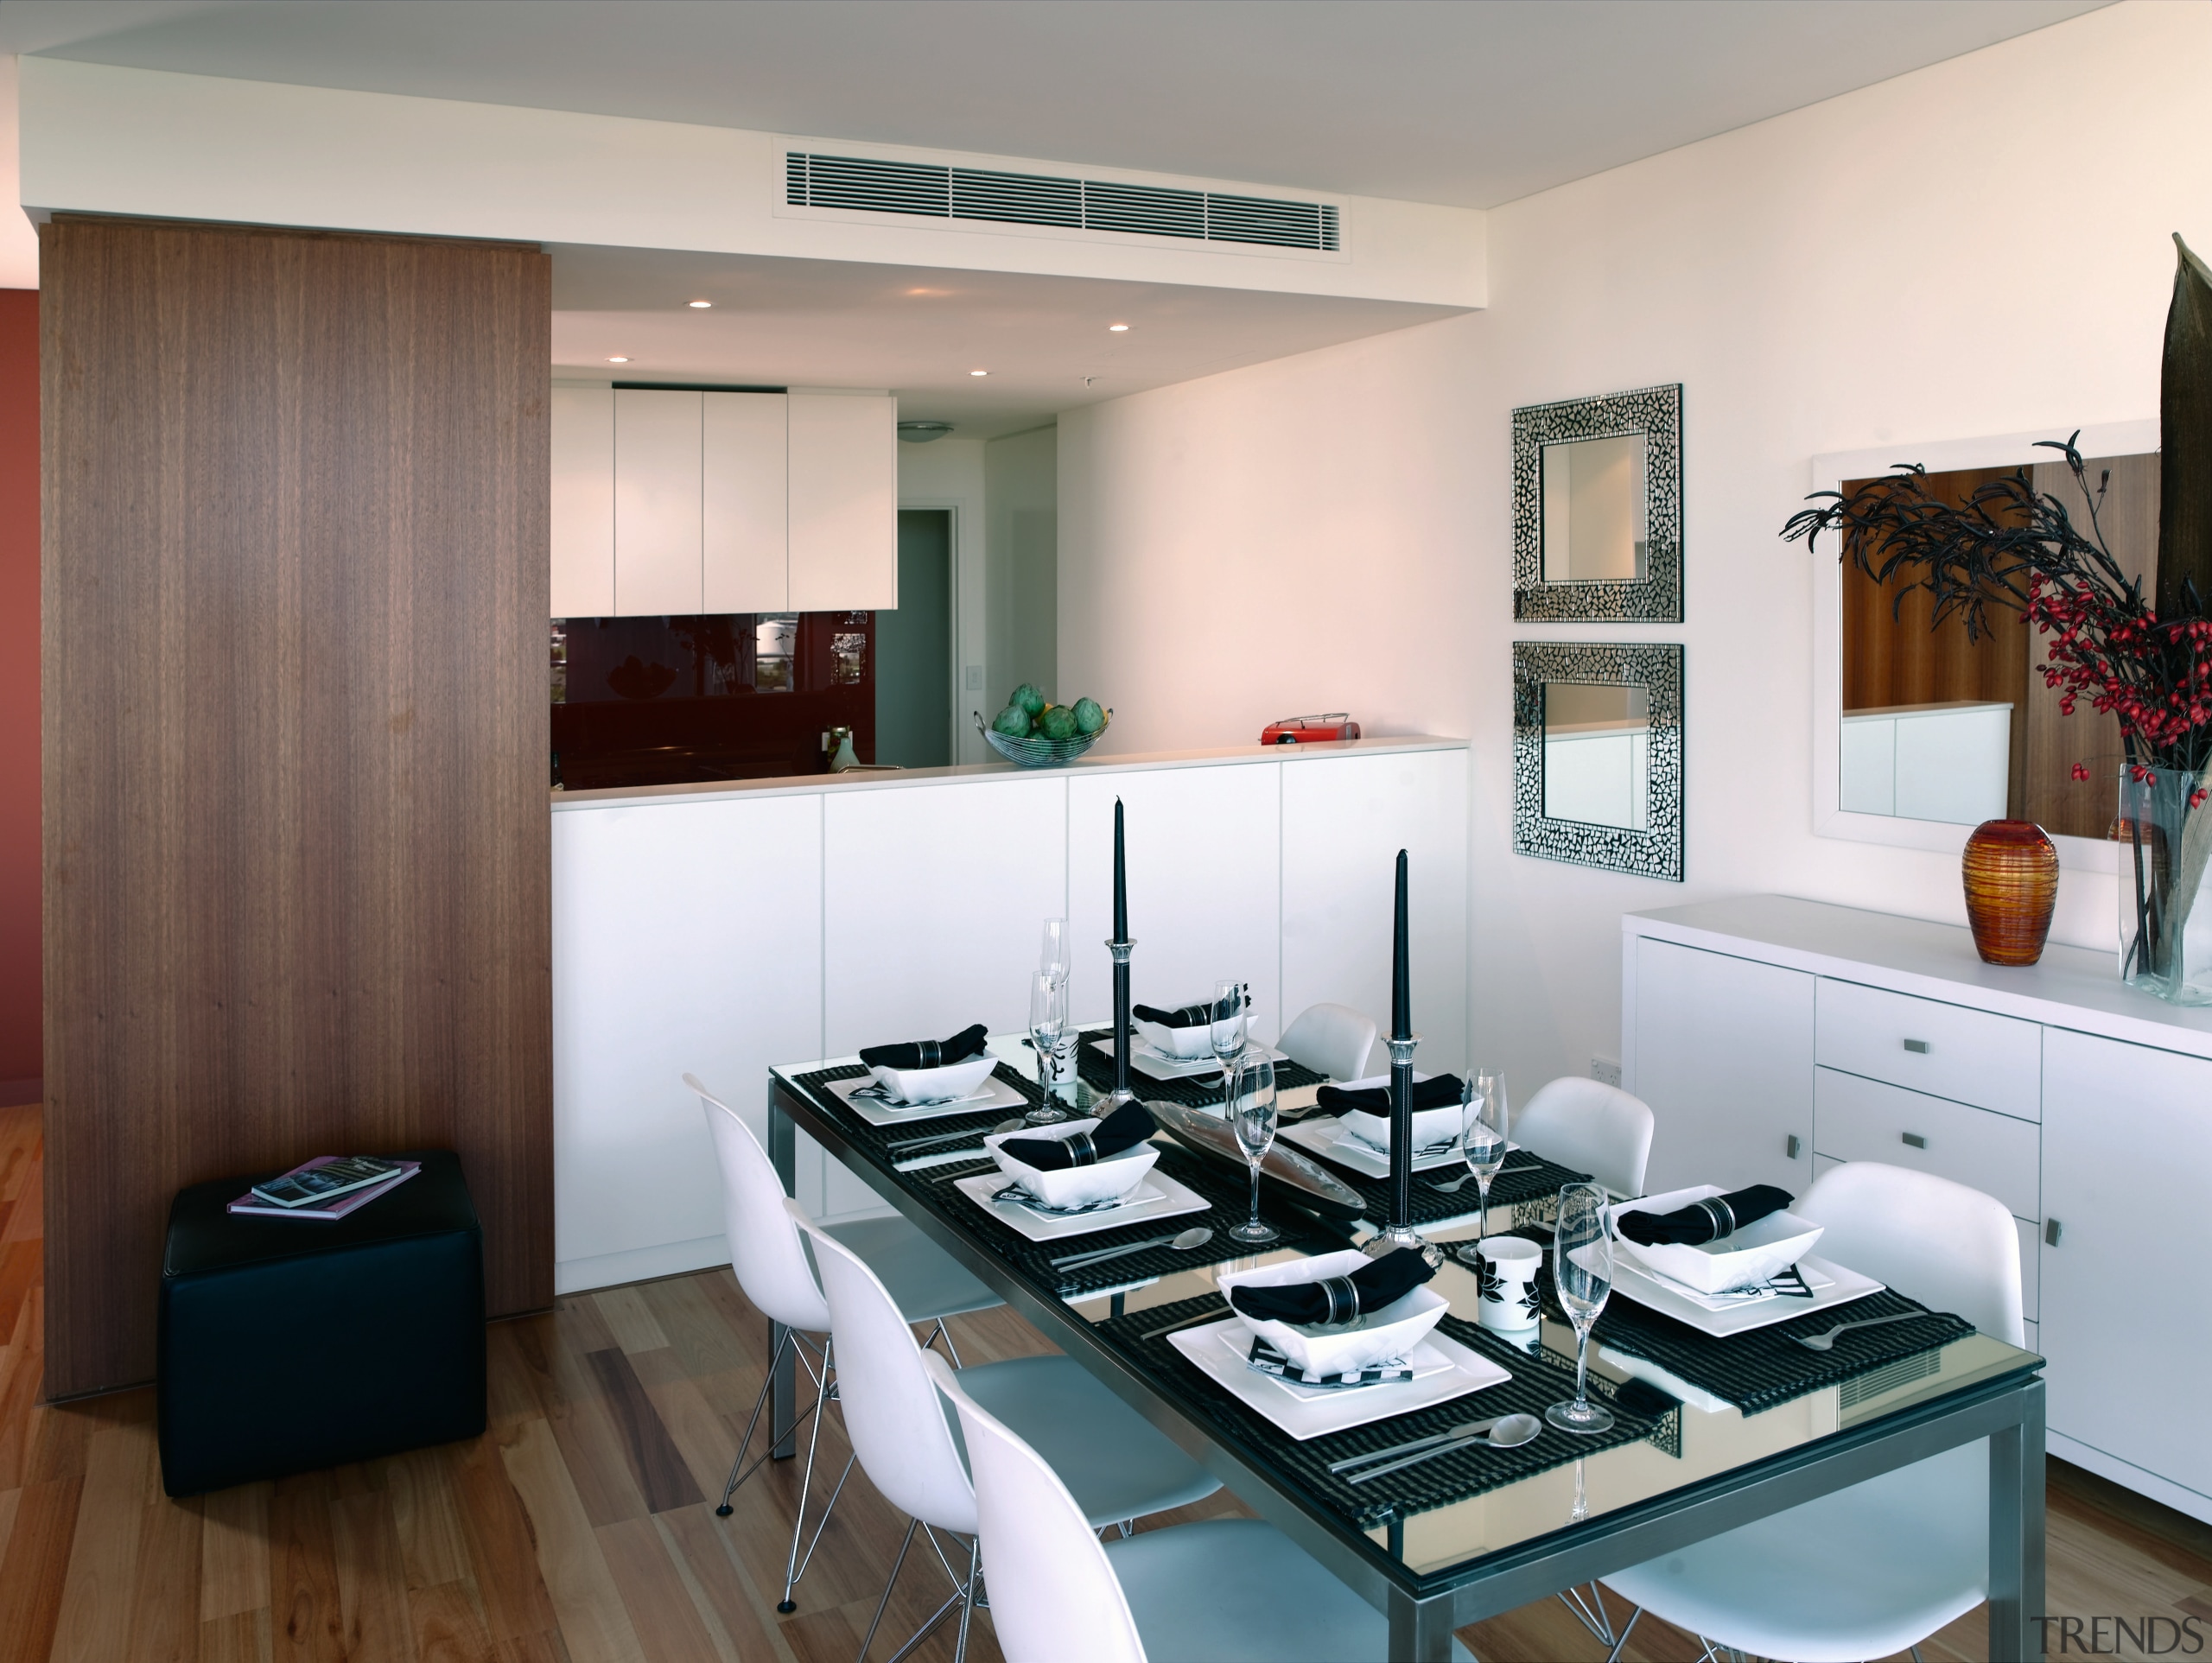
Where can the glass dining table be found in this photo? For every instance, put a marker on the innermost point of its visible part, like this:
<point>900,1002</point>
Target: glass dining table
<point>1709,1433</point>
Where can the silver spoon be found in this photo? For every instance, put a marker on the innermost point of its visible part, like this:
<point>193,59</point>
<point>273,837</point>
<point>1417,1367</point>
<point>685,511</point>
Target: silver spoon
<point>1826,1342</point>
<point>1509,1433</point>
<point>1195,1237</point>
<point>1464,1429</point>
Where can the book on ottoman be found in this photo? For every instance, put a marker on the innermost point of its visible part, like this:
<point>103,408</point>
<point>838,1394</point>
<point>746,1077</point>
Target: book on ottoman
<point>328,1187</point>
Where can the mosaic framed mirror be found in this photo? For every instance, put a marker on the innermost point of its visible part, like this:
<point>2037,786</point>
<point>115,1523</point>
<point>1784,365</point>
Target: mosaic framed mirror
<point>1597,508</point>
<point>1598,755</point>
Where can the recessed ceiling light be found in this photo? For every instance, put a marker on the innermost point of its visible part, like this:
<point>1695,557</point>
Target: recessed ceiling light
<point>700,306</point>
<point>979,372</point>
<point>1117,328</point>
<point>618,360</point>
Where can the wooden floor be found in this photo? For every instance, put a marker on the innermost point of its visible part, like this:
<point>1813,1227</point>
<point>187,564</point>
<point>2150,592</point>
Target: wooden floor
<point>581,1526</point>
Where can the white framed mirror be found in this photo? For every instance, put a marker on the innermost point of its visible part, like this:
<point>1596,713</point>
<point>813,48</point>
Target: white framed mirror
<point>1918,738</point>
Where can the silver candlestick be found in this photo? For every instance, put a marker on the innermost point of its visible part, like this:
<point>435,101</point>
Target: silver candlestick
<point>1399,1231</point>
<point>1121,1094</point>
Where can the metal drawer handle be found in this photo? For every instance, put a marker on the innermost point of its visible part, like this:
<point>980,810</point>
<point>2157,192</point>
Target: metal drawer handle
<point>2050,1228</point>
<point>1918,1046</point>
<point>1914,1140</point>
<point>1789,1145</point>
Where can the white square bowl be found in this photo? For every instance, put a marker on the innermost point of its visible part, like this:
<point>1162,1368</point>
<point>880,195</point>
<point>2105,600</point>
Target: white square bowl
<point>1186,1044</point>
<point>914,1086</point>
<point>1108,1179</point>
<point>1376,1337</point>
<point>1431,1125</point>
<point>1750,1255</point>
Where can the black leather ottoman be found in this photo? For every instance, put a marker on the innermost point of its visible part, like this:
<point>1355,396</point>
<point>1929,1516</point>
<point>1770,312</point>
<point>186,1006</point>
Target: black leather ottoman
<point>290,1344</point>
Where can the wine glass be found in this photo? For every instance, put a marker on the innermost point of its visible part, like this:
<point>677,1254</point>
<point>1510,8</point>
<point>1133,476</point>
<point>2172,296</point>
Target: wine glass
<point>1482,1142</point>
<point>1048,1021</point>
<point>1227,1034</point>
<point>1582,1275</point>
<point>1252,1113</point>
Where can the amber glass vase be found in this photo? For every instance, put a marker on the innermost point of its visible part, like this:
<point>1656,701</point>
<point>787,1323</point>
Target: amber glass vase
<point>2011,881</point>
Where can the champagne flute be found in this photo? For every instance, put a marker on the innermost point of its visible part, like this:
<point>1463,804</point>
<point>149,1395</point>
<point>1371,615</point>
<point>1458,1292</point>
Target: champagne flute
<point>1252,1113</point>
<point>1482,1143</point>
<point>1582,1275</point>
<point>1490,1086</point>
<point>1054,959</point>
<point>1048,1022</point>
<point>1227,1034</point>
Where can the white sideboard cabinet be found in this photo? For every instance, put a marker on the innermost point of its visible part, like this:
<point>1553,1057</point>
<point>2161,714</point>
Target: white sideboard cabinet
<point>1775,1038</point>
<point>667,500</point>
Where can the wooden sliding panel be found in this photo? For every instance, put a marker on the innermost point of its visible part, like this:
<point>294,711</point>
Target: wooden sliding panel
<point>295,575</point>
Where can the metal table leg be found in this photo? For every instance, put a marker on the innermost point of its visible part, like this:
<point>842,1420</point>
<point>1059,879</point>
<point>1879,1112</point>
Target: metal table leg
<point>783,1409</point>
<point>2016,1534</point>
<point>1421,1630</point>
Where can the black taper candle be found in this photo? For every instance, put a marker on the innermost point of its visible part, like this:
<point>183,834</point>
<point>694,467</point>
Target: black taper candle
<point>1401,1068</point>
<point>1120,946</point>
<point>1121,881</point>
<point>1401,997</point>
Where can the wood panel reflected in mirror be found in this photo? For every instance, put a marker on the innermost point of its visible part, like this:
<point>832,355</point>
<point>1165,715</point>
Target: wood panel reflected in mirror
<point>1937,726</point>
<point>1597,508</point>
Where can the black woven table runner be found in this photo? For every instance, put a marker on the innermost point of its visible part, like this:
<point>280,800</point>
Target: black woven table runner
<point>1227,1192</point>
<point>1765,1367</point>
<point>1533,1196</point>
<point>1641,1413</point>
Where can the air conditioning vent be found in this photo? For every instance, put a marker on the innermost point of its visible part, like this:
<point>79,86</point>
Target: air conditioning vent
<point>859,185</point>
<point>1016,199</point>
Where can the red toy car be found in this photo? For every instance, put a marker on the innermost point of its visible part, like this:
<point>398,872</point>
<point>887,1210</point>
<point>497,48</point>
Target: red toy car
<point>1310,730</point>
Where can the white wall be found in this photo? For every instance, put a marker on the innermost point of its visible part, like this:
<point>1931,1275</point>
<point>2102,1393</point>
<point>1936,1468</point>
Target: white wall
<point>949,473</point>
<point>1979,247</point>
<point>1021,479</point>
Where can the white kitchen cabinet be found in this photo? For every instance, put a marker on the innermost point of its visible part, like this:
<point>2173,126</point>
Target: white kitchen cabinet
<point>744,558</point>
<point>1867,1119</point>
<point>657,483</point>
<point>1205,886</point>
<point>1718,1047</point>
<point>843,505</point>
<point>583,502</point>
<point>1345,818</point>
<point>2127,1150</point>
<point>687,938</point>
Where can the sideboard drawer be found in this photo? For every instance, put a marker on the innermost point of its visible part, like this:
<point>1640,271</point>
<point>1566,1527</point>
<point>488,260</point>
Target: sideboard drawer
<point>1947,1051</point>
<point>1863,1119</point>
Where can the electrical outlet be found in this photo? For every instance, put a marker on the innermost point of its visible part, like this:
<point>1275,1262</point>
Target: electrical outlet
<point>1606,1069</point>
<point>974,678</point>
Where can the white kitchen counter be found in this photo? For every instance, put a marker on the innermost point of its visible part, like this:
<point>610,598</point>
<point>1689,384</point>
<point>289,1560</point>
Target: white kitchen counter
<point>720,929</point>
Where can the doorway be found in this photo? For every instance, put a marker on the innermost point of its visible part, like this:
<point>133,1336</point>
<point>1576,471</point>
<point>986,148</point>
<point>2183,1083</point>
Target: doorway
<point>914,647</point>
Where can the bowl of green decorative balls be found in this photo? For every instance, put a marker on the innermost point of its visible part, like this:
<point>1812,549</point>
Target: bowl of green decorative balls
<point>1032,733</point>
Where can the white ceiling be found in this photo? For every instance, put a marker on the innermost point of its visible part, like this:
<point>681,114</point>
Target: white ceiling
<point>918,331</point>
<point>1465,102</point>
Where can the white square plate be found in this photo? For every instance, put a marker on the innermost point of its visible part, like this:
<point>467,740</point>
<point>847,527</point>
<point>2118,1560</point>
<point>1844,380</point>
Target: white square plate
<point>1633,1281</point>
<point>1144,1060</point>
<point>1158,1196</point>
<point>995,1094</point>
<point>1323,1135</point>
<point>1314,1414</point>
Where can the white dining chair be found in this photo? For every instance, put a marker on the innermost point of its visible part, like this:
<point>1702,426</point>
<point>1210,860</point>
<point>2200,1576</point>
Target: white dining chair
<point>1331,1039</point>
<point>1106,1453</point>
<point>1592,1127</point>
<point>1874,1570</point>
<point>1224,1590</point>
<point>771,1264</point>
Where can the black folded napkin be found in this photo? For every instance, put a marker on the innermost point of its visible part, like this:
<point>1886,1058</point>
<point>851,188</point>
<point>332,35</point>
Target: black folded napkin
<point>1125,1129</point>
<point>1338,1299</point>
<point>927,1053</point>
<point>1185,1016</point>
<point>1704,1221</point>
<point>1437,1092</point>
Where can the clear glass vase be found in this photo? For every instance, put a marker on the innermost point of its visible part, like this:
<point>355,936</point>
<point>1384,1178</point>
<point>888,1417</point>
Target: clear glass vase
<point>2166,936</point>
